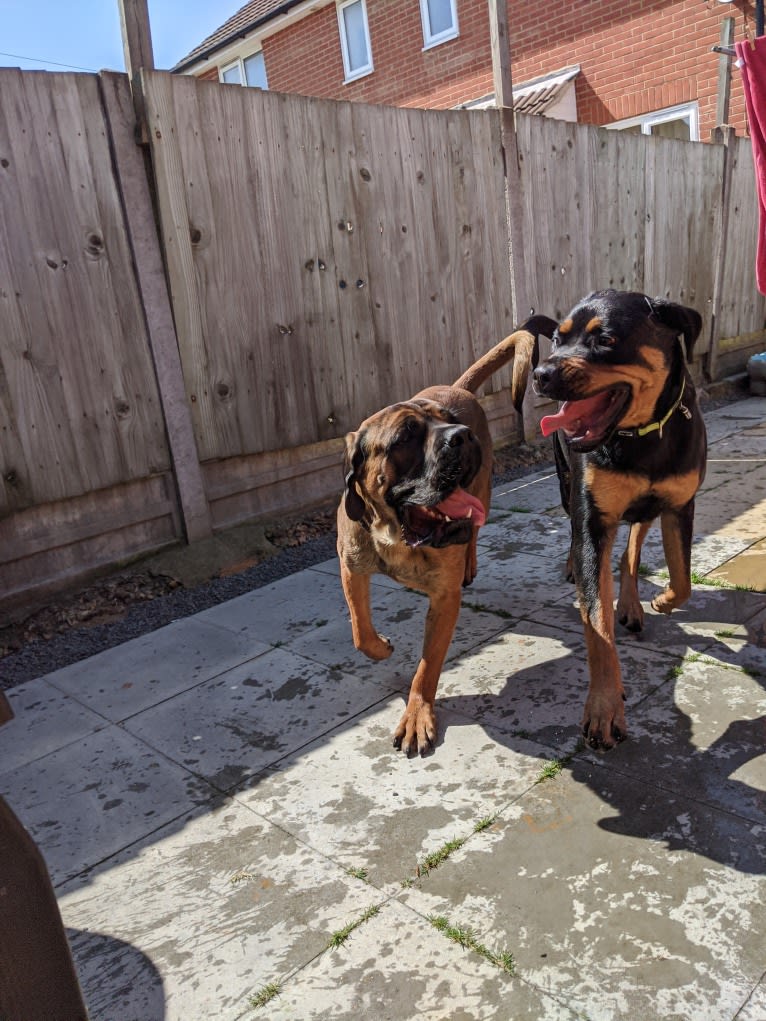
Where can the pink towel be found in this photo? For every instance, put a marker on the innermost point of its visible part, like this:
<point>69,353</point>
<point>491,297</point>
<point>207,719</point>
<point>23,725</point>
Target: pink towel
<point>752,63</point>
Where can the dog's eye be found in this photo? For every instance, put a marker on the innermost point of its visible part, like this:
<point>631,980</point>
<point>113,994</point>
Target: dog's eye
<point>409,430</point>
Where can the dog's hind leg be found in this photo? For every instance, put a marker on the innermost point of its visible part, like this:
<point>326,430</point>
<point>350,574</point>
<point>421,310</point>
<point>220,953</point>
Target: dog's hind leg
<point>677,529</point>
<point>630,612</point>
<point>356,588</point>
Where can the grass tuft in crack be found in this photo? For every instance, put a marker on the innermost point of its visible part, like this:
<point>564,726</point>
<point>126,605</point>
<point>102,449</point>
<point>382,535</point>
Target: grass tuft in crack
<point>435,859</point>
<point>339,938</point>
<point>466,937</point>
<point>703,579</point>
<point>264,995</point>
<point>358,873</point>
<point>549,771</point>
<point>484,824</point>
<point>241,877</point>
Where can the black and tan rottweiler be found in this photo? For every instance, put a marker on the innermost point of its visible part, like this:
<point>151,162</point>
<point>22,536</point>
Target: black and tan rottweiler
<point>418,479</point>
<point>630,445</point>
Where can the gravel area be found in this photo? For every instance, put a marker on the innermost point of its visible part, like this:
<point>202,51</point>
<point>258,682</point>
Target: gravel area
<point>128,604</point>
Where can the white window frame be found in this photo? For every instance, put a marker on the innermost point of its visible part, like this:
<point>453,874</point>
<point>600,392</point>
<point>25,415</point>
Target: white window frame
<point>441,37</point>
<point>239,63</point>
<point>670,113</point>
<point>360,72</point>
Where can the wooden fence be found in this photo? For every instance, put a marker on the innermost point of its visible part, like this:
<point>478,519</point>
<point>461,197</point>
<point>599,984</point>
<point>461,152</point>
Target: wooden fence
<point>312,261</point>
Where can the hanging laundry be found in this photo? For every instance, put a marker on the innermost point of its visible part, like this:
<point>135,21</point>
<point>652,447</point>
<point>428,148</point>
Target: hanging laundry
<point>752,63</point>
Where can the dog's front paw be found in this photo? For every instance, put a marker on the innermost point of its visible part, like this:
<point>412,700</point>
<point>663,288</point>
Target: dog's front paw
<point>603,722</point>
<point>377,648</point>
<point>416,732</point>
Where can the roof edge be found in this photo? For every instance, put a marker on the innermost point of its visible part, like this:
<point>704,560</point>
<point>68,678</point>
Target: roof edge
<point>240,33</point>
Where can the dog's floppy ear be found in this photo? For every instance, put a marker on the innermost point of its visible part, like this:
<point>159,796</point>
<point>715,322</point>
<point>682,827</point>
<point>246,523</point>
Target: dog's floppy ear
<point>353,461</point>
<point>683,320</point>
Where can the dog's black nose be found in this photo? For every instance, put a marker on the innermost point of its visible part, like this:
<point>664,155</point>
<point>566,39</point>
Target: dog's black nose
<point>543,375</point>
<point>457,435</point>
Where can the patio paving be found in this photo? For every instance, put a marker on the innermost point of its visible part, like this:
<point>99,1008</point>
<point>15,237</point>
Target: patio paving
<point>232,835</point>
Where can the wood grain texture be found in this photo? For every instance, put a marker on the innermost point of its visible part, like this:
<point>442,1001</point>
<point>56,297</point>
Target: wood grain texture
<point>341,257</point>
<point>78,394</point>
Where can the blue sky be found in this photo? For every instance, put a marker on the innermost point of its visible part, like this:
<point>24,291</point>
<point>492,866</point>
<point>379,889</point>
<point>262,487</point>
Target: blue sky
<point>86,33</point>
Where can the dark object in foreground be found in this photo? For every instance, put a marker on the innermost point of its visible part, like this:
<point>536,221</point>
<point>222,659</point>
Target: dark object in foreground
<point>37,976</point>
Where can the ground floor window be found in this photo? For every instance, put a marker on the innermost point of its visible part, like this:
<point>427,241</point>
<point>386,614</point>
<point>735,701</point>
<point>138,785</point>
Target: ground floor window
<point>672,122</point>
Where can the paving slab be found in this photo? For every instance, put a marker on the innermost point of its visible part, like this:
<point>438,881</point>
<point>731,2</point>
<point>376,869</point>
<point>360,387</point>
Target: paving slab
<point>191,923</point>
<point>368,807</point>
<point>622,899</point>
<point>45,719</point>
<point>124,680</point>
<point>86,801</point>
<point>234,725</point>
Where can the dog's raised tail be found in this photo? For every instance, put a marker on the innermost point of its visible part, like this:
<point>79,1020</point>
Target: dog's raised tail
<point>521,346</point>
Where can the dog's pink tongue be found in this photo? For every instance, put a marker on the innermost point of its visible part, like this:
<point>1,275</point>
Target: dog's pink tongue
<point>573,416</point>
<point>550,423</point>
<point>463,505</point>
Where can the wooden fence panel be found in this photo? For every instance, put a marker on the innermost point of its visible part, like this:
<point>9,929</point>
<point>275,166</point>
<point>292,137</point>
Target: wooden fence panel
<point>78,397</point>
<point>609,209</point>
<point>683,230</point>
<point>324,259</point>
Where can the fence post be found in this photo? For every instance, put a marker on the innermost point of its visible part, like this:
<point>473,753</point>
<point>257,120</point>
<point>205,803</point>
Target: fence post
<point>503,84</point>
<point>725,135</point>
<point>130,169</point>
<point>139,53</point>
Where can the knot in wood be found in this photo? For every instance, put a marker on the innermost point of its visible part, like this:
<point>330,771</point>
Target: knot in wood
<point>94,244</point>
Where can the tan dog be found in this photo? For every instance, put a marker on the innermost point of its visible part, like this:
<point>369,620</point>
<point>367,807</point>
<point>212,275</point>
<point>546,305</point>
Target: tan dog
<point>418,485</point>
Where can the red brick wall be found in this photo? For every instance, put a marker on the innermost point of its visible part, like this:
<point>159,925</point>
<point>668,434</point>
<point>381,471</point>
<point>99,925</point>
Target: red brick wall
<point>636,56</point>
<point>306,58</point>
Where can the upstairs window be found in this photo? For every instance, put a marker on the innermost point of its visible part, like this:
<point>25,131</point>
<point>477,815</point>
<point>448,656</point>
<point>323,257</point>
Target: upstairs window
<point>354,39</point>
<point>439,19</point>
<point>249,71</point>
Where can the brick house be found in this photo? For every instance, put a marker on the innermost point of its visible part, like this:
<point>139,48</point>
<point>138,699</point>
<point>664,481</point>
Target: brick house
<point>640,65</point>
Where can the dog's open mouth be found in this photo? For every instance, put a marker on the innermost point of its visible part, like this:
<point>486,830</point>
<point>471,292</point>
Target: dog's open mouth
<point>588,422</point>
<point>447,523</point>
